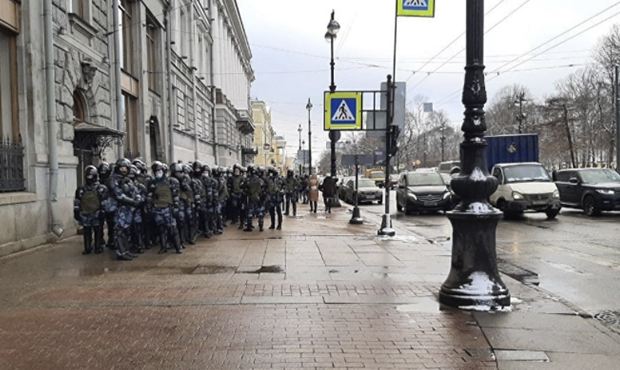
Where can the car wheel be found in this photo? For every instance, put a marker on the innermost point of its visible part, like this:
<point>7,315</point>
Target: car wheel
<point>589,206</point>
<point>380,201</point>
<point>552,213</point>
<point>399,208</point>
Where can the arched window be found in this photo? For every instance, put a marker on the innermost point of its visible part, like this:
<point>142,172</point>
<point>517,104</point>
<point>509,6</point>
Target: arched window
<point>79,107</point>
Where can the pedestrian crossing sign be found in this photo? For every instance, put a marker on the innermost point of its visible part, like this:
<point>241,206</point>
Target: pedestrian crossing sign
<point>343,110</point>
<point>416,8</point>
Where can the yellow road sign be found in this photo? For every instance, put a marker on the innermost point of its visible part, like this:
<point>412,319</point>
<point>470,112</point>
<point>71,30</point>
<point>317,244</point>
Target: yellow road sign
<point>416,8</point>
<point>343,110</point>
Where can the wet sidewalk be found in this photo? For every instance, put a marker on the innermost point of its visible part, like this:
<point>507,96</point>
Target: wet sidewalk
<point>319,294</point>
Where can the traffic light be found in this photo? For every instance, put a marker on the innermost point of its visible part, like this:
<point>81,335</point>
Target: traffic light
<point>394,132</point>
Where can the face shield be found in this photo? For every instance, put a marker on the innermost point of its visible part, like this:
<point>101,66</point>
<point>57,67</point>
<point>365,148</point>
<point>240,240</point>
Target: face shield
<point>159,174</point>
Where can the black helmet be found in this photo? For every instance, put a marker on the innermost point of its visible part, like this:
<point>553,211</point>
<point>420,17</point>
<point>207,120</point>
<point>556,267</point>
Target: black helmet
<point>140,165</point>
<point>165,168</point>
<point>157,166</point>
<point>104,169</point>
<point>250,170</point>
<point>289,172</point>
<point>272,171</point>
<point>261,171</point>
<point>187,168</point>
<point>206,169</point>
<point>133,171</point>
<point>176,169</point>
<point>197,167</point>
<point>122,166</point>
<point>91,175</point>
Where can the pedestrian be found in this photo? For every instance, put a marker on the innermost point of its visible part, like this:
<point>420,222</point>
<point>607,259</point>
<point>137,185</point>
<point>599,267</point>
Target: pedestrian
<point>313,192</point>
<point>304,188</point>
<point>88,208</point>
<point>329,188</point>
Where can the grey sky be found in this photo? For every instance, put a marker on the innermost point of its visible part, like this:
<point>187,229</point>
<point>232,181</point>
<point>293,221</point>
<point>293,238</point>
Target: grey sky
<point>291,57</point>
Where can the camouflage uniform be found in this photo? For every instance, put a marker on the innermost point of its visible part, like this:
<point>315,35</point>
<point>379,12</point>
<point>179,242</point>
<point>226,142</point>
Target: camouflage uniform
<point>275,192</point>
<point>221,196</point>
<point>210,199</point>
<point>109,204</point>
<point>137,227</point>
<point>88,209</point>
<point>199,198</point>
<point>163,197</point>
<point>291,191</point>
<point>235,185</point>
<point>254,190</point>
<point>127,199</point>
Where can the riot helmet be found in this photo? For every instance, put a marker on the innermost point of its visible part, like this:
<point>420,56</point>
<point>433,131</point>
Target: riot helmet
<point>91,175</point>
<point>122,166</point>
<point>140,165</point>
<point>158,169</point>
<point>104,170</point>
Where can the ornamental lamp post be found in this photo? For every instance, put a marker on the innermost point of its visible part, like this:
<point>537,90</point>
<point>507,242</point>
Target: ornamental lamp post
<point>299,129</point>
<point>474,282</point>
<point>334,135</point>
<point>309,108</point>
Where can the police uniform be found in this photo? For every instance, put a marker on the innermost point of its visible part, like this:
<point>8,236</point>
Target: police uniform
<point>274,190</point>
<point>221,196</point>
<point>149,232</point>
<point>235,185</point>
<point>137,228</point>
<point>127,199</point>
<point>88,209</point>
<point>254,187</point>
<point>109,204</point>
<point>291,190</point>
<point>200,204</point>
<point>163,197</point>
<point>210,199</point>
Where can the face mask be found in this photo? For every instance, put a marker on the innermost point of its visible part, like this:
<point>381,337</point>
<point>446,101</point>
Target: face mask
<point>159,174</point>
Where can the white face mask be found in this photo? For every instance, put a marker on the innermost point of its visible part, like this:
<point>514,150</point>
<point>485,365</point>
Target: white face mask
<point>159,174</point>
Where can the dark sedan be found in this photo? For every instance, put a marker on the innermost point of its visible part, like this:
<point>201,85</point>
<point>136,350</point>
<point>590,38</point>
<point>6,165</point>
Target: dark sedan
<point>423,191</point>
<point>592,189</point>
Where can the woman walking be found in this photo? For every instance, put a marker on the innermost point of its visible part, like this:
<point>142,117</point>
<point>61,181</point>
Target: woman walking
<point>313,192</point>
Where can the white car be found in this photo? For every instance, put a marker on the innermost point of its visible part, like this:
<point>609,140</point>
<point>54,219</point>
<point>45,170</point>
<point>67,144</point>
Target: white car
<point>525,187</point>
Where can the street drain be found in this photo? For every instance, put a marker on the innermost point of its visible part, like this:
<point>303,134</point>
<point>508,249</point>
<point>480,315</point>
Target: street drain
<point>611,319</point>
<point>518,273</point>
<point>265,269</point>
<point>212,269</point>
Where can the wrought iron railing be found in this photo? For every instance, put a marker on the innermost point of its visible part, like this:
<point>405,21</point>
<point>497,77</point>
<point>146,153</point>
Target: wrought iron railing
<point>11,166</point>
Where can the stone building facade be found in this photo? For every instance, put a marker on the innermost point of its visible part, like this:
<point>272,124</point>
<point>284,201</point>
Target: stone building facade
<point>93,80</point>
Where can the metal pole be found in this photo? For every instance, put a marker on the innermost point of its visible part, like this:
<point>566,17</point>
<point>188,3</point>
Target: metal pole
<point>309,107</point>
<point>474,282</point>
<point>617,77</point>
<point>569,136</point>
<point>356,218</point>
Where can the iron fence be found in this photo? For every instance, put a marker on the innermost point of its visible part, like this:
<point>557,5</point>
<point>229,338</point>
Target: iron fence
<point>11,166</point>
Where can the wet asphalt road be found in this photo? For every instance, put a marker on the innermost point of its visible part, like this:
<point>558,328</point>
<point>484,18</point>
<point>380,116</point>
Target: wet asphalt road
<point>577,258</point>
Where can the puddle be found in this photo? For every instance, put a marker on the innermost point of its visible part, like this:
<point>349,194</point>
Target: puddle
<point>398,238</point>
<point>518,273</point>
<point>265,269</point>
<point>425,305</point>
<point>98,271</point>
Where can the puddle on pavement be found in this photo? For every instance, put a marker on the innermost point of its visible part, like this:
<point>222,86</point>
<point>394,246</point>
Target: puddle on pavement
<point>265,269</point>
<point>398,238</point>
<point>97,271</point>
<point>425,305</point>
<point>518,273</point>
<point>212,269</point>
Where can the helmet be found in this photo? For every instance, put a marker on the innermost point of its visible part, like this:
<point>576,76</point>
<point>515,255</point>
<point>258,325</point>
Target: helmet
<point>197,167</point>
<point>140,165</point>
<point>250,170</point>
<point>272,171</point>
<point>187,168</point>
<point>215,171</point>
<point>122,166</point>
<point>91,175</point>
<point>260,170</point>
<point>133,171</point>
<point>176,169</point>
<point>205,168</point>
<point>289,172</point>
<point>104,169</point>
<point>158,169</point>
<point>165,168</point>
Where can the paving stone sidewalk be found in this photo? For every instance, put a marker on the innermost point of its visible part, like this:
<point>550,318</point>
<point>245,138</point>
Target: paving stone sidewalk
<point>320,294</point>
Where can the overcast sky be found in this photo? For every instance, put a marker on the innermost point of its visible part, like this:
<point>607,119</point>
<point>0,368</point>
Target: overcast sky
<point>291,56</point>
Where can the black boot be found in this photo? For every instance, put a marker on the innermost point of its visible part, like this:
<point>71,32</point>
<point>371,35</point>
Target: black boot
<point>260,224</point>
<point>98,239</point>
<point>122,243</point>
<point>88,240</point>
<point>176,239</point>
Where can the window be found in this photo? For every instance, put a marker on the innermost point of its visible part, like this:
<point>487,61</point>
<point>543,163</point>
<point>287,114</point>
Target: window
<point>126,36</point>
<point>131,126</point>
<point>80,8</point>
<point>79,107</point>
<point>152,53</point>
<point>8,87</point>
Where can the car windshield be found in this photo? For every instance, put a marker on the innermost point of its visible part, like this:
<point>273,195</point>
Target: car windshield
<point>365,183</point>
<point>599,176</point>
<point>424,179</point>
<point>526,173</point>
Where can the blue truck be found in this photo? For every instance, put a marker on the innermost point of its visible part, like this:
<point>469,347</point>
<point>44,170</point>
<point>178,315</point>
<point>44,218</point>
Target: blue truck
<point>512,149</point>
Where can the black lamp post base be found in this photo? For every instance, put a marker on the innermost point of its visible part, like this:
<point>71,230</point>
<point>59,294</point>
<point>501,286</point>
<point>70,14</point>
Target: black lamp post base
<point>474,282</point>
<point>386,226</point>
<point>356,218</point>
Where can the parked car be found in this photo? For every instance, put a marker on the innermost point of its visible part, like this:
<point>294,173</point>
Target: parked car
<point>420,191</point>
<point>368,191</point>
<point>447,168</point>
<point>592,189</point>
<point>378,176</point>
<point>342,182</point>
<point>525,187</point>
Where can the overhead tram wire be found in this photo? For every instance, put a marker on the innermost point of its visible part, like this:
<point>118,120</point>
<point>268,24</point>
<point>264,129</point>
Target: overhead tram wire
<point>510,14</point>
<point>498,72</point>
<point>457,38</point>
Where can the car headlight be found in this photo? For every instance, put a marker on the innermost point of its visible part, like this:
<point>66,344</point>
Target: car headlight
<point>517,196</point>
<point>446,195</point>
<point>412,196</point>
<point>556,194</point>
<point>606,191</point>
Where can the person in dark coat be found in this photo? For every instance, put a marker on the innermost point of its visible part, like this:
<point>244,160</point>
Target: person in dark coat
<point>329,188</point>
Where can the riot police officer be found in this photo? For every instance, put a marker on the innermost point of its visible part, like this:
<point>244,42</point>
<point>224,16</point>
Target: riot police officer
<point>275,192</point>
<point>235,185</point>
<point>221,195</point>
<point>163,197</point>
<point>149,236</point>
<point>127,199</point>
<point>253,187</point>
<point>200,205</point>
<point>88,208</point>
<point>137,227</point>
<point>184,216</point>
<point>109,204</point>
<point>210,197</point>
<point>291,191</point>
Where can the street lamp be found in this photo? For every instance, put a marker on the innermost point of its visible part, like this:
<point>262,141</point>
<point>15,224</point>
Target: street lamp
<point>334,135</point>
<point>309,108</point>
<point>299,129</point>
<point>474,282</point>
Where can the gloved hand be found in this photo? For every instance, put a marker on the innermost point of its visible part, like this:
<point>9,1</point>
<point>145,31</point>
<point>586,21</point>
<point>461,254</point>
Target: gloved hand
<point>76,214</point>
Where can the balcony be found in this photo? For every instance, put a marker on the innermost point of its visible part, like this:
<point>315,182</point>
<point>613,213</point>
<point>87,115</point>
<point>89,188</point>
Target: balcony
<point>244,122</point>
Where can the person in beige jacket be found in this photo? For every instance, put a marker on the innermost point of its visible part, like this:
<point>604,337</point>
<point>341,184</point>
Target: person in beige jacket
<point>313,192</point>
